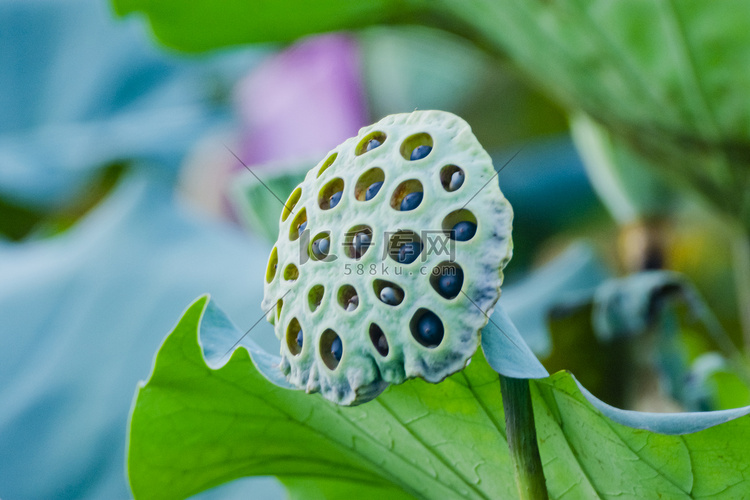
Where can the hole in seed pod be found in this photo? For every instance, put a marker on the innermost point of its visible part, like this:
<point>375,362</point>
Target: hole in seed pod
<point>291,272</point>
<point>299,224</point>
<point>331,349</point>
<point>348,298</point>
<point>371,141</point>
<point>330,194</point>
<point>460,225</point>
<point>279,305</point>
<point>388,292</point>
<point>273,262</point>
<point>294,337</point>
<point>416,146</point>
<point>315,297</point>
<point>377,337</point>
<point>426,328</point>
<point>451,177</point>
<point>404,247</point>
<point>369,184</point>
<point>357,240</point>
<point>291,202</point>
<point>447,278</point>
<point>329,161</point>
<point>320,246</point>
<point>407,196</point>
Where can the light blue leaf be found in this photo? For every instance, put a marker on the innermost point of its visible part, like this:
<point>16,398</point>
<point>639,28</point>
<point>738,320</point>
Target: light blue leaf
<point>505,348</point>
<point>79,89</point>
<point>82,315</point>
<point>219,337</point>
<point>665,423</point>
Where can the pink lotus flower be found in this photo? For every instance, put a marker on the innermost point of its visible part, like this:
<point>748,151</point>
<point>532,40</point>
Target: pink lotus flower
<point>302,102</point>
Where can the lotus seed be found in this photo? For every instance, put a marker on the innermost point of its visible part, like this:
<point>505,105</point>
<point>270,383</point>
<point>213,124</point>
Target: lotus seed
<point>389,296</point>
<point>429,329</point>
<point>320,248</point>
<point>457,180</point>
<point>450,283</point>
<point>372,144</point>
<point>464,231</point>
<point>337,349</point>
<point>411,201</point>
<point>351,302</point>
<point>409,252</point>
<point>301,227</point>
<point>373,190</point>
<point>420,152</point>
<point>334,199</point>
<point>360,243</point>
<point>382,345</point>
<point>299,339</point>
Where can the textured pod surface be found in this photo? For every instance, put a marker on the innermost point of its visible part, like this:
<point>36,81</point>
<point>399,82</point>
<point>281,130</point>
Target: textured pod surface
<point>398,293</point>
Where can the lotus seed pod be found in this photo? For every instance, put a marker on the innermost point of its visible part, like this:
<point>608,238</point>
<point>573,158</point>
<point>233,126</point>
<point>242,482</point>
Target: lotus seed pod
<point>390,256</point>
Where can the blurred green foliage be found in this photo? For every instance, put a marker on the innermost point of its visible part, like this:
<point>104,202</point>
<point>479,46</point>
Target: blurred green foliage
<point>19,221</point>
<point>667,78</point>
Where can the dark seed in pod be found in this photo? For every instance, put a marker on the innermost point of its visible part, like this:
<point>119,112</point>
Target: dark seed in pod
<point>390,296</point>
<point>373,190</point>
<point>450,283</point>
<point>372,144</point>
<point>382,345</point>
<point>360,243</point>
<point>411,201</point>
<point>334,199</point>
<point>320,248</point>
<point>430,329</point>
<point>409,252</point>
<point>337,349</point>
<point>299,339</point>
<point>377,337</point>
<point>301,227</point>
<point>464,231</point>
<point>352,303</point>
<point>457,180</point>
<point>420,152</point>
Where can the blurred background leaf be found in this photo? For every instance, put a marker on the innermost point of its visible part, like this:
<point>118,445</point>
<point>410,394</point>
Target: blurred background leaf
<point>81,315</point>
<point>665,78</point>
<point>632,341</point>
<point>94,246</point>
<point>80,93</point>
<point>203,25</point>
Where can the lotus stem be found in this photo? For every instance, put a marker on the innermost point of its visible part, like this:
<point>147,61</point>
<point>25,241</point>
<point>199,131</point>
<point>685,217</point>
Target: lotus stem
<point>520,431</point>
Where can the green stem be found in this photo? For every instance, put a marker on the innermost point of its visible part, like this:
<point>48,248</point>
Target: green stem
<point>521,434</point>
<point>741,257</point>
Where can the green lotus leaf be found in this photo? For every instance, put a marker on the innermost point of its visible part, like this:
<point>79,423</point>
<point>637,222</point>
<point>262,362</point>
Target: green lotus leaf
<point>194,426</point>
